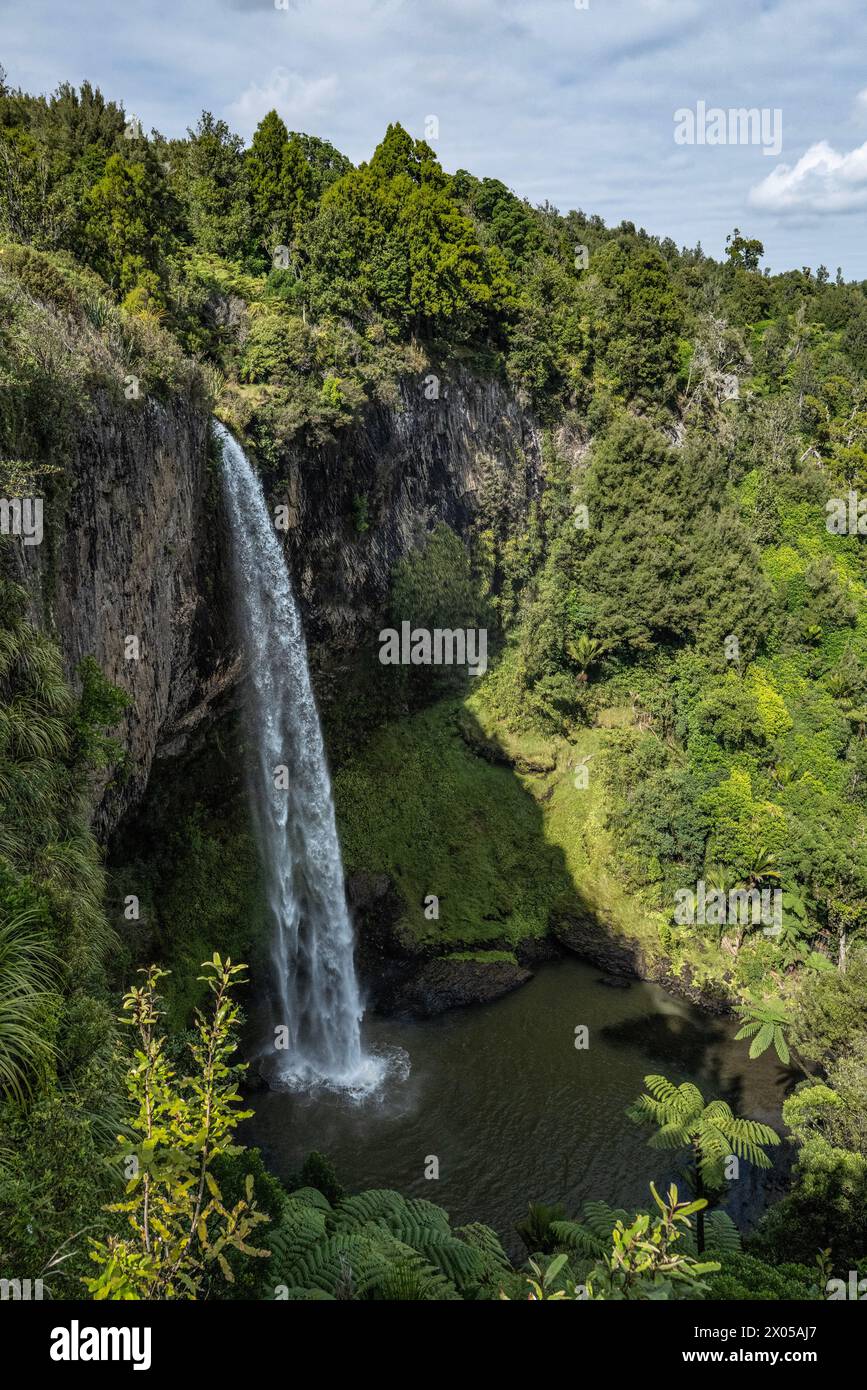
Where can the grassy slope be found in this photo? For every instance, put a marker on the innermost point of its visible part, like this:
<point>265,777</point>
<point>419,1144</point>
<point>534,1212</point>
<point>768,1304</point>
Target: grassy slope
<point>418,803</point>
<point>501,848</point>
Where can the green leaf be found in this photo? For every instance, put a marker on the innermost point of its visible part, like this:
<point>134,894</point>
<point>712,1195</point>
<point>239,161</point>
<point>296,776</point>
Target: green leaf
<point>555,1266</point>
<point>762,1041</point>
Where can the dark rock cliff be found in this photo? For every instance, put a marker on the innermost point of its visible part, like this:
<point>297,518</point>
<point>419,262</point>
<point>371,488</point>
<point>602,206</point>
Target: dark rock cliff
<point>136,545</point>
<point>130,556</point>
<point>470,457</point>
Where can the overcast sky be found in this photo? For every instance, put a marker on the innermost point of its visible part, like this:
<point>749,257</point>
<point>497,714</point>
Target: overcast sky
<point>574,105</point>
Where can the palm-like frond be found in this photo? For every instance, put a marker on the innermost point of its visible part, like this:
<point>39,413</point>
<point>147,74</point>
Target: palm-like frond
<point>380,1245</point>
<point>721,1236</point>
<point>747,1138</point>
<point>713,1131</point>
<point>672,1135</point>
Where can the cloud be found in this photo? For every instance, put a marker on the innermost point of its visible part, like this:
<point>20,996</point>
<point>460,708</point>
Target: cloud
<point>569,105</point>
<point>822,181</point>
<point>296,98</point>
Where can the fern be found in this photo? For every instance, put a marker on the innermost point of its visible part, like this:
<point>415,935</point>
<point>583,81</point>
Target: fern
<point>591,1236</point>
<point>365,1207</point>
<point>427,1212</point>
<point>378,1245</point>
<point>487,1243</point>
<point>407,1275</point>
<point>722,1236</point>
<point>300,1228</point>
<point>459,1262</point>
<point>341,1259</point>
<point>311,1197</point>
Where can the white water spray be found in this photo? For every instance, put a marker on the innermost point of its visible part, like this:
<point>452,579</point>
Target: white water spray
<point>317,994</point>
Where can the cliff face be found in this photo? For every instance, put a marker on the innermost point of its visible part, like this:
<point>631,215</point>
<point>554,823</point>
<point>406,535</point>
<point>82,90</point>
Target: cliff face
<point>127,574</point>
<point>470,457</point>
<point>138,548</point>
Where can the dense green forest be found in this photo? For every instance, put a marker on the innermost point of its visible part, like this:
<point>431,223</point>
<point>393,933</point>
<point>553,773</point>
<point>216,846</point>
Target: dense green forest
<point>679,613</point>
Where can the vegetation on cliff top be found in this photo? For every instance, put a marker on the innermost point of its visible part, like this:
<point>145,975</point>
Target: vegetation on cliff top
<point>673,614</point>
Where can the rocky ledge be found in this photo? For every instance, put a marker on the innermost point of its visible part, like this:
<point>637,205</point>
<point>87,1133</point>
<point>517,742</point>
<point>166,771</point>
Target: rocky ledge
<point>404,977</point>
<point>447,983</point>
<point>623,957</point>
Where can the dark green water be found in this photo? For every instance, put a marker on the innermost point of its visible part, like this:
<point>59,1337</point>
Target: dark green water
<point>514,1113</point>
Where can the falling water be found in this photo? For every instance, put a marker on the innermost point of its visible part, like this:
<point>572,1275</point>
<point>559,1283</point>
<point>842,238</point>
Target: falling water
<point>317,994</point>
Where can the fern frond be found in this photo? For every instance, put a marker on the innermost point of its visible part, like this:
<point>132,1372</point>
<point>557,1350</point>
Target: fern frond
<point>365,1207</point>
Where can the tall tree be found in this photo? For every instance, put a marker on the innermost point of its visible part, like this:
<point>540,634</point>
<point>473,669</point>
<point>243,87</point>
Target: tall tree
<point>127,231</point>
<point>280,182</point>
<point>210,184</point>
<point>710,1130</point>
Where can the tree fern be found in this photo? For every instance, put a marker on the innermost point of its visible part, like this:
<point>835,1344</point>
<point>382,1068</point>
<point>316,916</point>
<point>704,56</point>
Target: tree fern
<point>534,1229</point>
<point>487,1242</point>
<point>378,1245</point>
<point>299,1228</point>
<point>407,1276</point>
<point>428,1213</point>
<point>711,1131</point>
<point>365,1207</point>
<point>463,1265</point>
<point>327,1264</point>
<point>311,1197</point>
<point>722,1236</point>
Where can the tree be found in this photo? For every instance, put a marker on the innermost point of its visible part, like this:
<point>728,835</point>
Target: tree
<point>389,239</point>
<point>126,227</point>
<point>280,182</point>
<point>765,1021</point>
<point>210,183</point>
<point>174,1207</point>
<point>642,316</point>
<point>826,1206</point>
<point>711,1131</point>
<point>297,185</point>
<point>745,252</point>
<point>647,581</point>
<point>265,171</point>
<point>585,651</point>
<point>325,163</point>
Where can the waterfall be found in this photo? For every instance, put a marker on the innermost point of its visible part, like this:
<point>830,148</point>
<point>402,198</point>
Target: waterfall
<point>317,997</point>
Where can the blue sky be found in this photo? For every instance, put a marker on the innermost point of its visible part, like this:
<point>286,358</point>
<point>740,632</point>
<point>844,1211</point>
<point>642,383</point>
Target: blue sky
<point>574,105</point>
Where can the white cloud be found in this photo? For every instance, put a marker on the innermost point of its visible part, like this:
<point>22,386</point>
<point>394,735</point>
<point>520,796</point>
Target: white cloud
<point>559,103</point>
<point>822,181</point>
<point>295,98</point>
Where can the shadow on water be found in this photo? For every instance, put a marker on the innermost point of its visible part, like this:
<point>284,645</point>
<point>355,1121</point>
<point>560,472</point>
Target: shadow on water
<point>513,1111</point>
<point>499,1094</point>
